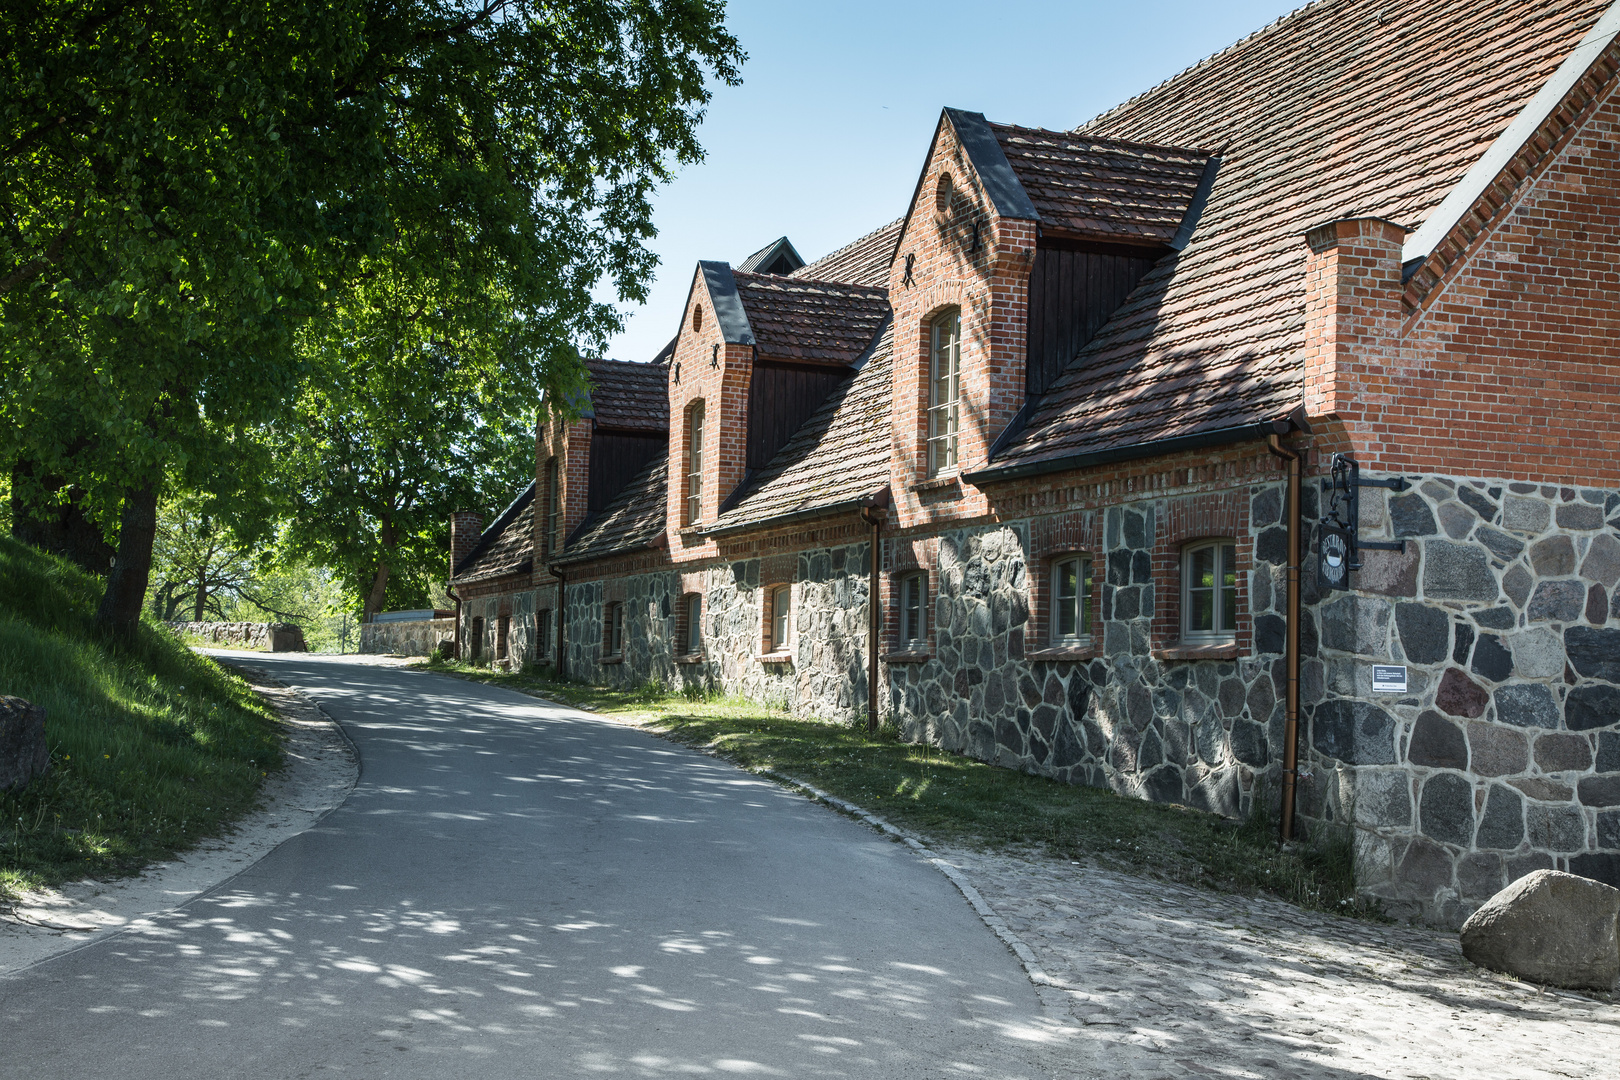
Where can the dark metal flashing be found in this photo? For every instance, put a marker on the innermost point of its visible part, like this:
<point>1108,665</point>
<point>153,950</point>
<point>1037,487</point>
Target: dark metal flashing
<point>728,306</point>
<point>1195,209</point>
<point>1196,441</point>
<point>779,249</point>
<point>495,528</point>
<point>667,353</point>
<point>846,506</point>
<point>738,493</point>
<point>1006,191</point>
<point>871,346</point>
<point>1015,425</point>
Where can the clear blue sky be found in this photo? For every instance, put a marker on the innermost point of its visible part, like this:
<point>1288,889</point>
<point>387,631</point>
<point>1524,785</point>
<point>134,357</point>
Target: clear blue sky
<point>824,139</point>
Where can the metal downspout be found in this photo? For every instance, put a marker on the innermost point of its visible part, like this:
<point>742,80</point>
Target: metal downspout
<point>874,620</point>
<point>1291,728</point>
<point>562,604</point>
<point>455,643</point>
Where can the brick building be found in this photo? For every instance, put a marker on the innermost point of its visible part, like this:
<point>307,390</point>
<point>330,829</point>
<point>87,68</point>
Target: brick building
<point>1063,400</point>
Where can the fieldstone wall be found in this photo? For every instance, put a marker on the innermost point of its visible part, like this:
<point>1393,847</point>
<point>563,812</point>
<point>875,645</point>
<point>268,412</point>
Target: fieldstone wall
<point>1504,755</point>
<point>269,637</point>
<point>825,678</point>
<point>1205,733</point>
<point>520,633</point>
<point>415,637</point>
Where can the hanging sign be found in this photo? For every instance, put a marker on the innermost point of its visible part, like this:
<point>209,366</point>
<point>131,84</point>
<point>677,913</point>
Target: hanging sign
<point>1333,549</point>
<point>1389,679</point>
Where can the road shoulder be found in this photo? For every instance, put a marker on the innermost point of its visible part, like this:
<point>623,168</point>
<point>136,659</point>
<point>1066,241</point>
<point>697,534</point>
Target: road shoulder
<point>322,769</point>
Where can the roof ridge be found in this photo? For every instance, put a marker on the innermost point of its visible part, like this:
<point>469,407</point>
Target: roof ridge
<point>1210,59</point>
<point>1109,140</point>
<point>849,246</point>
<point>786,282</point>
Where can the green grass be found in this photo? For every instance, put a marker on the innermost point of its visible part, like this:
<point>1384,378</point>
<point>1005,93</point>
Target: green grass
<point>961,800</point>
<point>153,747</point>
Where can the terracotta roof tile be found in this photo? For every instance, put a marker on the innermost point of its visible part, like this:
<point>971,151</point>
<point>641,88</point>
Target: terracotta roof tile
<point>811,321</point>
<point>1340,109</point>
<point>1102,189</point>
<point>629,396</point>
<point>839,456</point>
<point>633,521</point>
<point>506,547</point>
<point>860,262</point>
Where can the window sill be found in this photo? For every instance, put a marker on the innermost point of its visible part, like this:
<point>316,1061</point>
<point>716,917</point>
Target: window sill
<point>618,659</point>
<point>945,482</point>
<point>691,532</point>
<point>1212,650</point>
<point>776,658</point>
<point>1062,652</point>
<point>908,656</point>
<point>690,658</point>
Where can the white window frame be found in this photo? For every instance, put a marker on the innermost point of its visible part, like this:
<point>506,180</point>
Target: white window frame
<point>1079,605</point>
<point>944,390</point>
<point>694,463</point>
<point>914,610</point>
<point>781,617</point>
<point>694,624</point>
<point>1222,592</point>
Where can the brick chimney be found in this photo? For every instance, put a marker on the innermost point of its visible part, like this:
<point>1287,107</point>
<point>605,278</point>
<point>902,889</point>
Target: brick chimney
<point>465,528</point>
<point>1352,315</point>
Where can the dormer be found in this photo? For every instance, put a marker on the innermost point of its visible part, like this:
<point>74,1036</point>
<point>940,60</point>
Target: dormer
<point>757,354</point>
<point>778,257</point>
<point>1018,246</point>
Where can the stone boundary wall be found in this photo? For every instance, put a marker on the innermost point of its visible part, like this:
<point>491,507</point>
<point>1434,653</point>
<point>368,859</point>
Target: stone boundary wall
<point>415,637</point>
<point>1504,755</point>
<point>269,637</point>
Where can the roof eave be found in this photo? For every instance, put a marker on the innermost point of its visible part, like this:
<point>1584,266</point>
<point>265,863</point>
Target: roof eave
<point>1196,441</point>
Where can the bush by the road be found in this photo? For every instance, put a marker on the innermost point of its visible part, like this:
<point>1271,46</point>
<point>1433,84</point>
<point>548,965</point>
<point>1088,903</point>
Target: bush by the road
<point>152,746</point>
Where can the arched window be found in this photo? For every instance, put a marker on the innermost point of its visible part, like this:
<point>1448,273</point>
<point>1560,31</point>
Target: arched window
<point>694,464</point>
<point>550,543</point>
<point>944,390</point>
<point>1209,591</point>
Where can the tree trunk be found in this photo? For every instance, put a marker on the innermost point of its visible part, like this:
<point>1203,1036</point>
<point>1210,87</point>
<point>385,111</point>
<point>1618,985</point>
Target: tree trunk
<point>120,612</point>
<point>379,583</point>
<point>202,598</point>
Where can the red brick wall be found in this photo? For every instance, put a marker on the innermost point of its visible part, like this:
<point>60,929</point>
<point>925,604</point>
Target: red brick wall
<point>991,287</point>
<point>1510,367</point>
<point>1197,517</point>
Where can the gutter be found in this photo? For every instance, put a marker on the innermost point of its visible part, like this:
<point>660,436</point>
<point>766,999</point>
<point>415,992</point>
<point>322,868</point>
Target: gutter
<point>561,668</point>
<point>1198,441</point>
<point>797,515</point>
<point>456,641</point>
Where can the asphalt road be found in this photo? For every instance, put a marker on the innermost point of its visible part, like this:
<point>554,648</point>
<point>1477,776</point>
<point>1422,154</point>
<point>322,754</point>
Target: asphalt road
<point>516,889</point>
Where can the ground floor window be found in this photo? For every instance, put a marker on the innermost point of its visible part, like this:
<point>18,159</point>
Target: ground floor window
<point>477,638</point>
<point>1209,591</point>
<point>1071,599</point>
<point>503,629</point>
<point>781,619</point>
<point>542,636</point>
<point>913,611</point>
<point>691,636</point>
<point>613,630</point>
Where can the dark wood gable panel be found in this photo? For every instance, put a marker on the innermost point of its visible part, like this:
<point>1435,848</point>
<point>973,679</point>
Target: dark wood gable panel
<point>617,457</point>
<point>1073,289</point>
<point>781,398</point>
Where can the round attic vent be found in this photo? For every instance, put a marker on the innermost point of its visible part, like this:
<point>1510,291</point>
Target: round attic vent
<point>942,196</point>
<point>697,318</point>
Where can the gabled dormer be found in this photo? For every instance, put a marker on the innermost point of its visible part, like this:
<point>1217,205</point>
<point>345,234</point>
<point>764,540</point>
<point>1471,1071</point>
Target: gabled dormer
<point>1018,245</point>
<point>756,356</point>
<point>777,257</point>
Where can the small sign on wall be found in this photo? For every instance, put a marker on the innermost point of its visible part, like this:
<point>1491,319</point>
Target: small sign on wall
<point>1389,679</point>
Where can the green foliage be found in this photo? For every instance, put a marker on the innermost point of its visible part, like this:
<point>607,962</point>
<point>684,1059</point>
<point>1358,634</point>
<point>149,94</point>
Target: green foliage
<point>962,800</point>
<point>207,208</point>
<point>152,746</point>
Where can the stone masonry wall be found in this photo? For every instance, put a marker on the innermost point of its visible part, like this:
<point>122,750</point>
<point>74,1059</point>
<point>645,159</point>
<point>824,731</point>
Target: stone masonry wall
<point>824,679</point>
<point>416,637</point>
<point>1207,732</point>
<point>1504,754</point>
<point>520,632</point>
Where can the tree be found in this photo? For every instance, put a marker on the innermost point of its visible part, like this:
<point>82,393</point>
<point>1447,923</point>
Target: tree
<point>185,188</point>
<point>199,566</point>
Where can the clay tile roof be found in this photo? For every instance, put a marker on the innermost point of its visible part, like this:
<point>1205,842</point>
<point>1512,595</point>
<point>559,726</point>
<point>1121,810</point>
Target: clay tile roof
<point>631,397</point>
<point>634,520</point>
<point>860,262</point>
<point>506,547</point>
<point>1102,189</point>
<point>838,458</point>
<point>1340,109</point>
<point>811,321</point>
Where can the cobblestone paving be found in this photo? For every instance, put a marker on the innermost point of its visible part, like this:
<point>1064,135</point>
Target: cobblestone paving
<point>1168,981</point>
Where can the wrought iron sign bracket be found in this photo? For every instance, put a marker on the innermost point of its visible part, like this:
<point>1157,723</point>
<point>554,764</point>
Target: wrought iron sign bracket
<point>1339,542</point>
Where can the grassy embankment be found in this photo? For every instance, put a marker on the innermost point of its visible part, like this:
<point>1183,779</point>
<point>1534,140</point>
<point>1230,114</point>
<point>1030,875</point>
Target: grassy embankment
<point>152,746</point>
<point>960,800</point>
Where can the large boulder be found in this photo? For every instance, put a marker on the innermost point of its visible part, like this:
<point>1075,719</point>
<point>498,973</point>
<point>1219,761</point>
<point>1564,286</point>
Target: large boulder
<point>23,751</point>
<point>1552,928</point>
